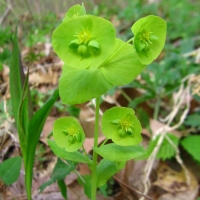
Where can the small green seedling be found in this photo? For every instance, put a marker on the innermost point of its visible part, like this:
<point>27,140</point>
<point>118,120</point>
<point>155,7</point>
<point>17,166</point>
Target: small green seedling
<point>94,62</point>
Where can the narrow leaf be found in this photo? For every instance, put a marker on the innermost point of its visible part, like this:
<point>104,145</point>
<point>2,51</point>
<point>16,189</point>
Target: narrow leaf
<point>63,188</point>
<point>86,185</point>
<point>10,170</point>
<point>23,120</point>
<point>34,131</point>
<point>17,77</point>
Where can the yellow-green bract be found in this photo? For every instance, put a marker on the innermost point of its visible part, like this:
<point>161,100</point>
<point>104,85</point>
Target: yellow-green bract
<point>149,37</point>
<point>68,133</point>
<point>82,30</point>
<point>122,126</point>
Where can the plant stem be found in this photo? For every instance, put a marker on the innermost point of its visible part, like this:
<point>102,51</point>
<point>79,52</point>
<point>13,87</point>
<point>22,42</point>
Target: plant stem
<point>94,164</point>
<point>157,108</point>
<point>104,142</point>
<point>125,95</point>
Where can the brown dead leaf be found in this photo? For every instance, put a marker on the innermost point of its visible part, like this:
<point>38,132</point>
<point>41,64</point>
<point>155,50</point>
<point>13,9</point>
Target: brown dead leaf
<point>186,195</point>
<point>87,121</point>
<point>174,181</point>
<point>88,143</point>
<point>37,78</point>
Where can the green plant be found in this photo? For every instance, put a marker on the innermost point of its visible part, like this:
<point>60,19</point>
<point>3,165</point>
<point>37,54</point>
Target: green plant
<point>29,125</point>
<point>96,61</point>
<point>5,38</point>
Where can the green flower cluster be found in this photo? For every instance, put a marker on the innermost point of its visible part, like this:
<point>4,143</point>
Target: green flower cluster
<point>68,133</point>
<point>122,126</point>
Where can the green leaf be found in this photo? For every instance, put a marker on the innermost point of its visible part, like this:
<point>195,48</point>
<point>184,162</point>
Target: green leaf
<point>75,138</point>
<point>143,117</point>
<point>103,189</point>
<point>60,171</point>
<point>119,153</point>
<point>34,131</point>
<point>166,150</point>
<point>128,123</point>
<point>191,144</point>
<point>10,170</point>
<point>84,28</point>
<point>193,120</point>
<point>17,77</point>
<point>73,156</point>
<point>75,11</point>
<point>86,184</point>
<point>73,91</point>
<point>23,120</point>
<point>20,97</point>
<point>149,38</point>
<point>73,111</point>
<point>63,188</point>
<point>106,169</point>
<point>113,71</point>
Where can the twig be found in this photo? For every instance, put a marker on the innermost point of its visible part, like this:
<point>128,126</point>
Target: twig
<point>178,103</point>
<point>179,160</point>
<point>6,13</point>
<point>131,188</point>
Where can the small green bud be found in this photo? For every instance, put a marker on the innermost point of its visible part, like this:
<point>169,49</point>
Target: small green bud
<point>146,48</point>
<point>71,139</point>
<point>74,44</point>
<point>94,44</point>
<point>140,45</point>
<point>116,121</point>
<point>129,131</point>
<point>65,132</point>
<point>78,137</point>
<point>122,133</point>
<point>82,49</point>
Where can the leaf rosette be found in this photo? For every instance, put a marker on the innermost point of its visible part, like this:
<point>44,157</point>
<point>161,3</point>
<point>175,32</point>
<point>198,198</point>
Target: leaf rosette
<point>68,133</point>
<point>84,41</point>
<point>122,126</point>
<point>149,37</point>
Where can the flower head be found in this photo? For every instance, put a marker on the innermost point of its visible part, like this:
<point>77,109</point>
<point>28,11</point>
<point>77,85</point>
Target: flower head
<point>122,126</point>
<point>149,38</point>
<point>68,133</point>
<point>84,41</point>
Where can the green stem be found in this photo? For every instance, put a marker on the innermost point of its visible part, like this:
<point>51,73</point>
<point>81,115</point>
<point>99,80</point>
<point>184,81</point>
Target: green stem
<point>157,108</point>
<point>104,142</point>
<point>94,164</point>
<point>125,95</point>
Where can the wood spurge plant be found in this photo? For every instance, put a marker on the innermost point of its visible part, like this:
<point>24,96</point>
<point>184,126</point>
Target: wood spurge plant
<point>94,62</point>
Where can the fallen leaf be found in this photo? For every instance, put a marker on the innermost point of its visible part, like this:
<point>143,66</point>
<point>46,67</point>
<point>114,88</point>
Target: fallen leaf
<point>175,181</point>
